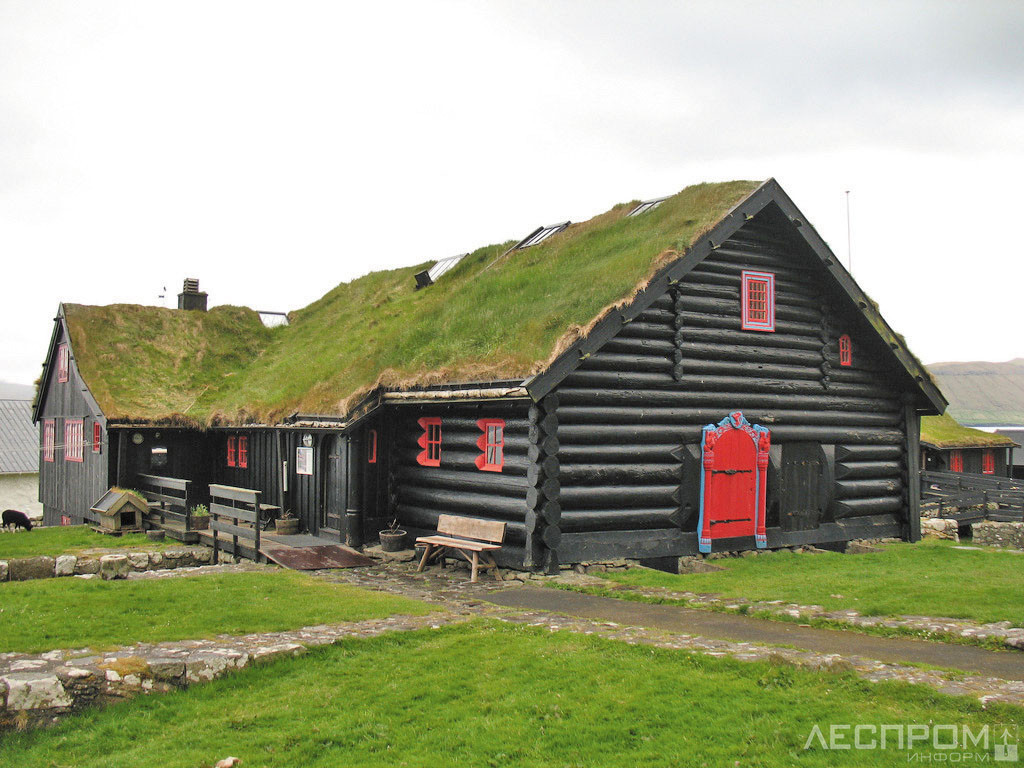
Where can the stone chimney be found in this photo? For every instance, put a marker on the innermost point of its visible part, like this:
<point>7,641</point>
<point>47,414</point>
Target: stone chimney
<point>190,297</point>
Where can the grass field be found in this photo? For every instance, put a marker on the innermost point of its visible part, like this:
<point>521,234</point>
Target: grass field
<point>72,613</point>
<point>929,578</point>
<point>72,539</point>
<point>490,695</point>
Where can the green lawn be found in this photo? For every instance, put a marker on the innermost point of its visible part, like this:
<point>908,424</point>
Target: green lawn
<point>72,539</point>
<point>72,613</point>
<point>496,695</point>
<point>929,578</point>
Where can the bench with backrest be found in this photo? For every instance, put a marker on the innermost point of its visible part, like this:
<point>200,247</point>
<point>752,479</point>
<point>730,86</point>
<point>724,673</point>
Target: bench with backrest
<point>471,537</point>
<point>169,504</point>
<point>238,514</point>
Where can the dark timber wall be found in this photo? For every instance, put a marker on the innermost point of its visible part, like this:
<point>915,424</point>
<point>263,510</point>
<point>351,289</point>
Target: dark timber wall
<point>420,494</point>
<point>69,488</point>
<point>628,420</point>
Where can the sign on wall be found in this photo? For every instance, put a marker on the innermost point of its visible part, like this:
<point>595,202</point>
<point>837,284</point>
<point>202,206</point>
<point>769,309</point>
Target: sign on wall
<point>303,461</point>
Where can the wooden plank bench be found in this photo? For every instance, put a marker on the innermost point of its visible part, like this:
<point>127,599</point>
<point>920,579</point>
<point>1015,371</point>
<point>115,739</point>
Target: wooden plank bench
<point>470,537</point>
<point>236,512</point>
<point>169,505</point>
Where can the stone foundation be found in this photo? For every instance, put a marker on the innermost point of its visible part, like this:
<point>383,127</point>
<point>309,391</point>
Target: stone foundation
<point>940,529</point>
<point>107,565</point>
<point>1009,535</point>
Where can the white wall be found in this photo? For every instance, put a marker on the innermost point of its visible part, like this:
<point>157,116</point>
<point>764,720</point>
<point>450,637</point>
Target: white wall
<point>21,492</point>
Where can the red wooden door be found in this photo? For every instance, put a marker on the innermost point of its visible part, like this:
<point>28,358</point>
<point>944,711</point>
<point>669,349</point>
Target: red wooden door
<point>731,495</point>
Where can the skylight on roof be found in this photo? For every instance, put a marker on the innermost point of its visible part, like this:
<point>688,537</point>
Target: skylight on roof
<point>444,265</point>
<point>540,234</point>
<point>273,319</point>
<point>648,205</point>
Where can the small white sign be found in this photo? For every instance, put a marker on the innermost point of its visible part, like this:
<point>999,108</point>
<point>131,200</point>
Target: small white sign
<point>303,461</point>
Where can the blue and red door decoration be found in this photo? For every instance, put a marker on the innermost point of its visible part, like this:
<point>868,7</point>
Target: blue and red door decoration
<point>732,482</point>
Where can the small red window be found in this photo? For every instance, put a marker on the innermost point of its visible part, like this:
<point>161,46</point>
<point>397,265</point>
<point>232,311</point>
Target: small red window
<point>371,447</point>
<point>48,435</point>
<point>491,444</point>
<point>65,520</point>
<point>63,360</point>
<point>97,437</point>
<point>231,452</point>
<point>243,452</point>
<point>73,440</point>
<point>988,463</point>
<point>845,350</point>
<point>758,300</point>
<point>430,442</point>
<point>956,461</point>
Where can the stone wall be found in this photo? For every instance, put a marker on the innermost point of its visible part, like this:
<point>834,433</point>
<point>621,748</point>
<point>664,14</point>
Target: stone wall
<point>940,529</point>
<point>992,534</point>
<point>113,565</point>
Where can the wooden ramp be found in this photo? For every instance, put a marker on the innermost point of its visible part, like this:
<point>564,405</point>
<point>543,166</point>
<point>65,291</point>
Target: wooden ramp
<point>308,553</point>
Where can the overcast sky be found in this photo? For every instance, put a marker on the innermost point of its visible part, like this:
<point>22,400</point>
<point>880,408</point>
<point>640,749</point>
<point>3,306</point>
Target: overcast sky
<point>276,149</point>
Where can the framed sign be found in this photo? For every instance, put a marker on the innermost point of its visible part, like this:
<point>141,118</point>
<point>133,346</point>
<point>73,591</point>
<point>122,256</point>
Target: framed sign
<point>303,461</point>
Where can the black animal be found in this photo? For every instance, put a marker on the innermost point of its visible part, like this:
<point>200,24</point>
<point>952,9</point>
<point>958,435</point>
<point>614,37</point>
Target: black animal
<point>16,520</point>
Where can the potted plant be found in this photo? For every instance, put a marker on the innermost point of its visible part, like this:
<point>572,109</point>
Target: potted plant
<point>199,517</point>
<point>392,538</point>
<point>287,524</point>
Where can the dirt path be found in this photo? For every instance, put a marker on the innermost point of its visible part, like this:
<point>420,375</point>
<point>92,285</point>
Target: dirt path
<point>1007,665</point>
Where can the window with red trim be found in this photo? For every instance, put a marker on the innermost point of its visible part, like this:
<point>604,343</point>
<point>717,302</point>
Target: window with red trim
<point>758,301</point>
<point>63,362</point>
<point>65,520</point>
<point>988,463</point>
<point>371,446</point>
<point>73,440</point>
<point>243,452</point>
<point>49,430</point>
<point>845,350</point>
<point>231,452</point>
<point>491,444</point>
<point>956,461</point>
<point>430,441</point>
<point>97,437</point>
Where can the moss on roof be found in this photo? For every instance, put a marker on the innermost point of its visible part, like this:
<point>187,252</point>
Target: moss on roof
<point>477,323</point>
<point>945,432</point>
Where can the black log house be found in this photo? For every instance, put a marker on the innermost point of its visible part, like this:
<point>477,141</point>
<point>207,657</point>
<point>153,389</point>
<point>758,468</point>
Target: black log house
<point>744,393</point>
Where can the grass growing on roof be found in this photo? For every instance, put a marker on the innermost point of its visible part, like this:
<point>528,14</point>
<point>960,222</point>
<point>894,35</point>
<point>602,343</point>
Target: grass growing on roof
<point>475,323</point>
<point>929,578</point>
<point>944,431</point>
<point>498,695</point>
<point>72,540</point>
<point>72,613</point>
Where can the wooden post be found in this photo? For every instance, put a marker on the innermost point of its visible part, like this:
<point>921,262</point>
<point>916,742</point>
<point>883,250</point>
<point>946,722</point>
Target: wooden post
<point>256,524</point>
<point>913,448</point>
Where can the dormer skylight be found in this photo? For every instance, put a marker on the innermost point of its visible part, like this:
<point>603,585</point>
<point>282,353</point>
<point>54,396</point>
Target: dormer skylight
<point>540,234</point>
<point>429,276</point>
<point>647,205</point>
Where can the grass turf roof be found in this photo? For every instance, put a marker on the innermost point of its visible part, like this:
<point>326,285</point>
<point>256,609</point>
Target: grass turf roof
<point>945,432</point>
<point>474,324</point>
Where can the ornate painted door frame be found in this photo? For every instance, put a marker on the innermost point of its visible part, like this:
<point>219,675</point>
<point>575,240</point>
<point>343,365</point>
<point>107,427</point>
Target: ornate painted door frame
<point>714,478</point>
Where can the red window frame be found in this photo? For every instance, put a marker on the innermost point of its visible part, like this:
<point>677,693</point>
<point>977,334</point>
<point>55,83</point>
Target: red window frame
<point>845,350</point>
<point>97,437</point>
<point>49,432</point>
<point>74,440</point>
<point>491,444</point>
<point>231,452</point>
<point>988,463</point>
<point>956,461</point>
<point>63,362</point>
<point>65,520</point>
<point>243,452</point>
<point>371,446</point>
<point>758,301</point>
<point>430,442</point>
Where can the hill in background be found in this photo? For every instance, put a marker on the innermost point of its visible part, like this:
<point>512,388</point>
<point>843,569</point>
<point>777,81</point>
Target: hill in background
<point>11,391</point>
<point>982,393</point>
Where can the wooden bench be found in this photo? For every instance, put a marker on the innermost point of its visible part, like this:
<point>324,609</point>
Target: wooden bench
<point>169,503</point>
<point>470,537</point>
<point>236,512</point>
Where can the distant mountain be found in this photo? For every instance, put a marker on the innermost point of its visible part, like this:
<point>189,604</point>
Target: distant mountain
<point>10,391</point>
<point>982,393</point>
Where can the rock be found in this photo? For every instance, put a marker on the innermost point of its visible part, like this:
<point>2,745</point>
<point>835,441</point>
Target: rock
<point>697,565</point>
<point>4,570</point>
<point>114,567</point>
<point>156,535</point>
<point>139,561</point>
<point>940,529</point>
<point>993,534</point>
<point>33,690</point>
<point>156,560</point>
<point>65,565</point>
<point>203,556</point>
<point>271,652</point>
<point>26,568</point>
<point>87,565</point>
<point>859,548</point>
<point>228,762</point>
<point>169,670</point>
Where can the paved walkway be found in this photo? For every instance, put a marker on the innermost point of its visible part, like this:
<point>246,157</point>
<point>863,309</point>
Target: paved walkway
<point>1008,665</point>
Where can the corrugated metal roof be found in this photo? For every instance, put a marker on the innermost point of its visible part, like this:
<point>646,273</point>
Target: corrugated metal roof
<point>19,449</point>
